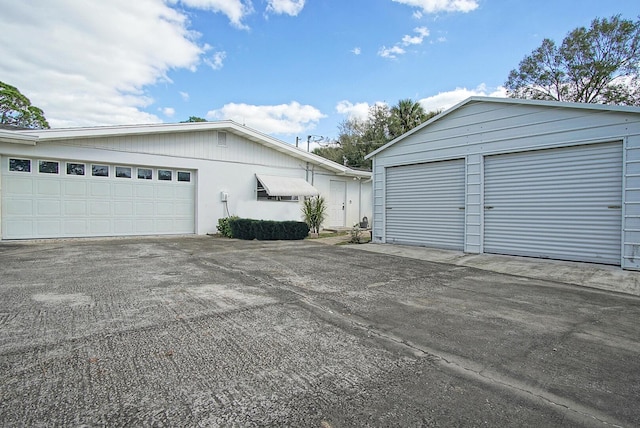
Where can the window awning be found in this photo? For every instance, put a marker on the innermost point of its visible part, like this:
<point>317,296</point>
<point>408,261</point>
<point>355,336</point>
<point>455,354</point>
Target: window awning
<point>286,186</point>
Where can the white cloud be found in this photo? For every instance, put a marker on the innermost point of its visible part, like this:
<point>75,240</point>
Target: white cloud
<point>392,52</point>
<point>435,6</point>
<point>417,14</point>
<point>235,10</point>
<point>288,7</point>
<point>286,119</point>
<point>168,111</point>
<point>445,100</point>
<point>216,60</point>
<point>358,111</point>
<point>407,40</point>
<point>356,51</point>
<point>184,96</point>
<point>418,39</point>
<point>87,63</point>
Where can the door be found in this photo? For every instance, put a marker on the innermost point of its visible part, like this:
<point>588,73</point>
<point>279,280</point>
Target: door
<point>563,203</point>
<point>424,204</point>
<point>45,198</point>
<point>338,199</point>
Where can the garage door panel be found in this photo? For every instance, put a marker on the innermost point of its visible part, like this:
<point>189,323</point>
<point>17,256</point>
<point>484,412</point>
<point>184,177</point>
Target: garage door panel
<point>49,228</point>
<point>558,203</point>
<point>18,186</point>
<point>35,205</point>
<point>46,207</point>
<point>423,204</point>
<point>48,188</point>
<point>75,188</point>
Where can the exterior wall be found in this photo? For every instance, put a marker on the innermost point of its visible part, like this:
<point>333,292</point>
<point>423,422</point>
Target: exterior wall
<point>229,168</point>
<point>481,128</point>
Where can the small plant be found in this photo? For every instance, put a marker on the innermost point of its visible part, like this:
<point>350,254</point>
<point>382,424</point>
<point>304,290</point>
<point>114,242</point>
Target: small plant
<point>356,234</point>
<point>314,212</point>
<point>224,227</point>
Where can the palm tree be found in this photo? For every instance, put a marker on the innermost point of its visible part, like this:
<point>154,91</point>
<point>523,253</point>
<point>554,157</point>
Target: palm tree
<point>405,116</point>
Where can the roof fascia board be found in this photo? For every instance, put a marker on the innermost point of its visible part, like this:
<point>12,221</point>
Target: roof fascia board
<point>44,135</point>
<point>14,138</point>
<point>543,103</point>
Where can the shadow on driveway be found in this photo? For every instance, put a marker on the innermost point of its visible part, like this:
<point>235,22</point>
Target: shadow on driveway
<point>201,331</point>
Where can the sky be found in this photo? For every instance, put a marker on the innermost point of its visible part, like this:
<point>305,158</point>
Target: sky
<point>287,68</point>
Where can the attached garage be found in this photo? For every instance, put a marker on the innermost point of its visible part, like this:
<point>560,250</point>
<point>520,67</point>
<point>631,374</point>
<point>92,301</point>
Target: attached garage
<point>534,178</point>
<point>425,204</point>
<point>45,198</point>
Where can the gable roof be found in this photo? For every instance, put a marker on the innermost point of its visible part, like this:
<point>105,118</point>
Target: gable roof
<point>471,100</point>
<point>38,136</point>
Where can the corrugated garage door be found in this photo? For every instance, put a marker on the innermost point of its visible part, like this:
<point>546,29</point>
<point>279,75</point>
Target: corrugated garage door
<point>44,198</point>
<point>425,204</point>
<point>559,203</point>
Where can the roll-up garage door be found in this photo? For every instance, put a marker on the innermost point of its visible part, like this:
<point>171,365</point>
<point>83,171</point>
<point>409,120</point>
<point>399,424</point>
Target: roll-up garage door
<point>425,204</point>
<point>44,198</point>
<point>560,203</point>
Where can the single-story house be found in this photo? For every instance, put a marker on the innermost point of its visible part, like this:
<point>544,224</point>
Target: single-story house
<point>518,177</point>
<point>163,179</point>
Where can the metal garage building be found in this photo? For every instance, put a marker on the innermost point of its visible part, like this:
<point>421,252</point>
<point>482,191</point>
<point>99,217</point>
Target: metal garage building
<point>516,177</point>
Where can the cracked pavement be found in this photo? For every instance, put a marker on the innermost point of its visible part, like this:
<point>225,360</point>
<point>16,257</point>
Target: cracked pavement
<point>202,331</point>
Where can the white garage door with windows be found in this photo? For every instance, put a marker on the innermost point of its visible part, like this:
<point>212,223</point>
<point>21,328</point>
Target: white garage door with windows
<point>425,204</point>
<point>562,203</point>
<point>45,198</point>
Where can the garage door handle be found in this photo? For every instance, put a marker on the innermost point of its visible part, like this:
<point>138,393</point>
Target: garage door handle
<point>460,208</point>
<point>615,207</point>
<point>488,208</point>
<point>389,208</point>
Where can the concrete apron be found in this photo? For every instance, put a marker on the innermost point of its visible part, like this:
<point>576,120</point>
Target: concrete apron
<point>604,277</point>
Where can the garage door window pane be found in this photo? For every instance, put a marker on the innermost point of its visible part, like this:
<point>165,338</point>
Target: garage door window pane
<point>145,173</point>
<point>48,167</point>
<point>184,176</point>
<point>123,172</point>
<point>75,168</point>
<point>100,170</point>
<point>164,175</point>
<point>20,165</point>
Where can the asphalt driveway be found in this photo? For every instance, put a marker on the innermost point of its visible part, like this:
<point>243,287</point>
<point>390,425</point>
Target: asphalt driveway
<point>201,331</point>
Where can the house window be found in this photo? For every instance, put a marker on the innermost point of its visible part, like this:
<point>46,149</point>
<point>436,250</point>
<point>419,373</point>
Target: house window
<point>75,168</point>
<point>100,170</point>
<point>20,165</point>
<point>123,172</point>
<point>48,167</point>
<point>145,173</point>
<point>164,175</point>
<point>264,196</point>
<point>184,176</point>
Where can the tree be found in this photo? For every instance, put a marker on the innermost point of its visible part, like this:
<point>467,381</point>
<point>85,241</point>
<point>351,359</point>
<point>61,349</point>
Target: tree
<point>194,119</point>
<point>16,109</point>
<point>357,137</point>
<point>596,65</point>
<point>405,116</point>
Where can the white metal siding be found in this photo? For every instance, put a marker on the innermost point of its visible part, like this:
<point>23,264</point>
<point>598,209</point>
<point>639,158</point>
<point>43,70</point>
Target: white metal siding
<point>425,204</point>
<point>562,203</point>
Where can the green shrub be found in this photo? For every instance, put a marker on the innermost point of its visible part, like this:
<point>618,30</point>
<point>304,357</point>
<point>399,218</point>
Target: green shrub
<point>223,226</point>
<point>267,230</point>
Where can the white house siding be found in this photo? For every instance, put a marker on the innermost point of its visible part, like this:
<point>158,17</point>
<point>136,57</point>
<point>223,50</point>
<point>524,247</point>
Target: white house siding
<point>230,168</point>
<point>481,127</point>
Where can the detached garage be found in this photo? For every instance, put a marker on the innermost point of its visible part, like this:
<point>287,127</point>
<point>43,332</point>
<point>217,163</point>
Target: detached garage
<point>515,177</point>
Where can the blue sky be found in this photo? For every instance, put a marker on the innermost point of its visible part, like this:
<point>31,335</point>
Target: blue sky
<point>284,67</point>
